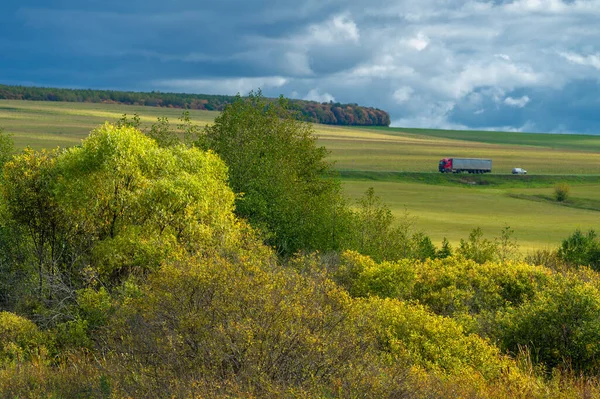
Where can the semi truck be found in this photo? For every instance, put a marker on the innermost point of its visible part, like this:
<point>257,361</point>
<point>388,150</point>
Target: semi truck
<point>471,165</point>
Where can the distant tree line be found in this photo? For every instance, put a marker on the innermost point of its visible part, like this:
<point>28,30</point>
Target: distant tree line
<point>329,113</point>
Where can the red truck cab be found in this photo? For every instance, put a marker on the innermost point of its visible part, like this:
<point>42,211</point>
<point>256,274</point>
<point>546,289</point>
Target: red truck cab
<point>445,165</point>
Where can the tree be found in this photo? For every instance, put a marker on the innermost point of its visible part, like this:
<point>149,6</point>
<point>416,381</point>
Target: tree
<point>581,249</point>
<point>30,203</point>
<point>138,201</point>
<point>445,251</point>
<point>7,147</point>
<point>477,248</point>
<point>161,132</point>
<point>507,246</point>
<point>285,185</point>
<point>561,192</point>
<point>374,225</point>
<point>116,206</point>
<point>379,234</point>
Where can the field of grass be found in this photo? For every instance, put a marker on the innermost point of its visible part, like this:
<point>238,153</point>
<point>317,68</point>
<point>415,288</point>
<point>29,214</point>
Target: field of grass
<point>453,211</point>
<point>50,124</point>
<point>374,150</point>
<point>579,142</point>
<point>401,164</point>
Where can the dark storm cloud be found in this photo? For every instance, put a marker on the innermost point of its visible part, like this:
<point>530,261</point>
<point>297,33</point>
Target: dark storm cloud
<point>519,65</point>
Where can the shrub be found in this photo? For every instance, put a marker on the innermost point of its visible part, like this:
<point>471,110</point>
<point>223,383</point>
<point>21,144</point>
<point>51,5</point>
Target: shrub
<point>477,248</point>
<point>561,192</point>
<point>431,341</point>
<point>545,257</point>
<point>250,322</point>
<point>19,338</point>
<point>455,286</point>
<point>363,277</point>
<point>560,325</point>
<point>581,249</point>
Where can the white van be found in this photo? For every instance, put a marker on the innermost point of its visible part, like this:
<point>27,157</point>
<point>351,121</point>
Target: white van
<point>519,171</point>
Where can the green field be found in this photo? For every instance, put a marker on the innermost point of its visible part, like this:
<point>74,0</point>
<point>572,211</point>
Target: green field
<point>401,164</point>
<point>49,124</point>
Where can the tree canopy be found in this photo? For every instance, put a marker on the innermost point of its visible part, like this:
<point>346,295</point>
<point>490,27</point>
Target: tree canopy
<point>284,183</point>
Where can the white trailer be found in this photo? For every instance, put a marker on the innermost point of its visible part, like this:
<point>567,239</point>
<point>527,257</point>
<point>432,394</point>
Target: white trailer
<point>470,165</point>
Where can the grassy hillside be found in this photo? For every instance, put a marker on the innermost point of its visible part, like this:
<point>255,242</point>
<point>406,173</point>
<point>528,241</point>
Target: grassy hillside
<point>401,164</point>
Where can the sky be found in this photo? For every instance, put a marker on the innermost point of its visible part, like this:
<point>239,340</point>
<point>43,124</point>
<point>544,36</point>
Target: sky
<point>511,65</point>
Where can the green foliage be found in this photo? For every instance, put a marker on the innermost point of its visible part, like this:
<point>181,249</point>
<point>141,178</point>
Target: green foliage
<point>116,205</point>
<point>581,249</point>
<point>545,257</point>
<point>477,247</point>
<point>455,286</point>
<point>379,235</point>
<point>125,121</point>
<point>507,246</point>
<point>78,376</point>
<point>20,338</point>
<point>445,250</point>
<point>559,325</point>
<point>247,321</point>
<point>7,147</point>
<point>362,276</point>
<point>432,342</point>
<point>450,287</point>
<point>94,306</point>
<point>191,131</point>
<point>161,132</point>
<point>561,192</point>
<point>119,180</point>
<point>282,177</point>
<point>91,312</point>
<point>423,248</point>
<point>32,209</point>
<point>374,222</point>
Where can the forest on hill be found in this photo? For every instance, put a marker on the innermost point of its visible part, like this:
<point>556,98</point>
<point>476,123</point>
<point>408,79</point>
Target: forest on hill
<point>228,264</point>
<point>310,111</point>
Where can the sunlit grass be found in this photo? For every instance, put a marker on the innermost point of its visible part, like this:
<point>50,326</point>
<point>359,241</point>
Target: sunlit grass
<point>41,124</point>
<point>453,212</point>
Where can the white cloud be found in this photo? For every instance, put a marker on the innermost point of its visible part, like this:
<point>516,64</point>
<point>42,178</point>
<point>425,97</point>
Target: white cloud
<point>383,71</point>
<point>316,95</point>
<point>403,94</point>
<point>592,60</point>
<point>419,42</point>
<point>340,28</point>
<point>547,6</point>
<point>433,115</point>
<point>516,102</point>
<point>502,75</point>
